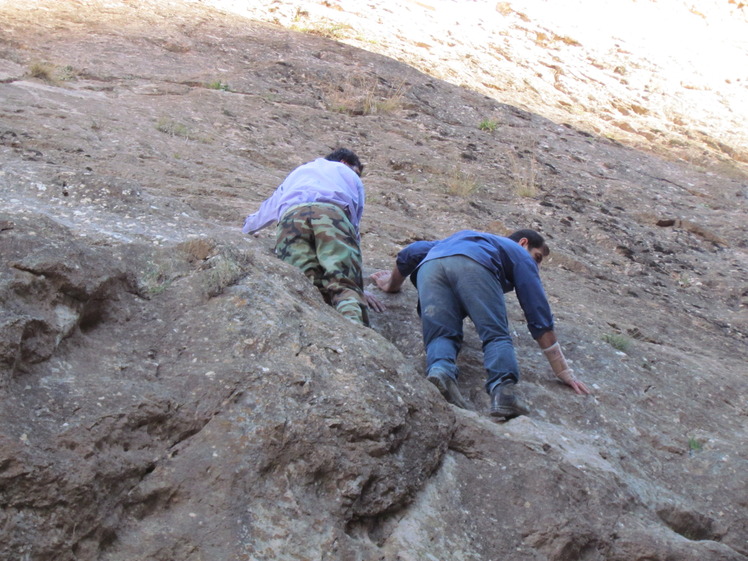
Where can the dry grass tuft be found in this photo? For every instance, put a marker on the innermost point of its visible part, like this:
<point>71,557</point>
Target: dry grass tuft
<point>177,129</point>
<point>51,73</point>
<point>173,128</point>
<point>42,71</point>
<point>462,184</point>
<point>322,28</point>
<point>365,95</point>
<point>524,175</point>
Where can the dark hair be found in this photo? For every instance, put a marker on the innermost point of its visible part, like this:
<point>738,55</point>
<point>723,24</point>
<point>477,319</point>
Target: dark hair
<point>534,240</point>
<point>346,156</point>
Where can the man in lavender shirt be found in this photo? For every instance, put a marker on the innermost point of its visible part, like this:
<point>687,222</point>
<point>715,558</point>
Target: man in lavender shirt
<point>318,208</point>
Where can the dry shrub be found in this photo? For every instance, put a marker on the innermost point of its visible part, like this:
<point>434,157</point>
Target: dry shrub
<point>41,70</point>
<point>365,95</point>
<point>461,183</point>
<point>323,28</point>
<point>51,73</point>
<point>524,175</point>
<point>224,269</point>
<point>198,249</point>
<point>174,128</point>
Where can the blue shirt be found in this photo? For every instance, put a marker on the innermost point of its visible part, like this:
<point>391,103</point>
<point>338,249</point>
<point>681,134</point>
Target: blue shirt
<point>319,181</point>
<point>512,264</point>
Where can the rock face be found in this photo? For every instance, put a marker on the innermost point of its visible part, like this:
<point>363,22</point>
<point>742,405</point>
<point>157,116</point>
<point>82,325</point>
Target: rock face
<point>171,390</point>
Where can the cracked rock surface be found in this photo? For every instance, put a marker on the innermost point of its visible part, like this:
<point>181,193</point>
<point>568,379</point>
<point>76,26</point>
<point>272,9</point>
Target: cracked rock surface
<point>170,390</point>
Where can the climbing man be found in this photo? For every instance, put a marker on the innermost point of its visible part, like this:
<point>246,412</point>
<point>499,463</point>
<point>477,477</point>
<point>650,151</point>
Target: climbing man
<point>318,208</point>
<point>465,275</point>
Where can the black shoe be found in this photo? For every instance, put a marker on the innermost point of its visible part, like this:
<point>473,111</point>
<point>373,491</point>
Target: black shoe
<point>505,404</point>
<point>447,386</point>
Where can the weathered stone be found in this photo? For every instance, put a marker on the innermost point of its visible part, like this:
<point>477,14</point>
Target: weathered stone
<point>171,390</point>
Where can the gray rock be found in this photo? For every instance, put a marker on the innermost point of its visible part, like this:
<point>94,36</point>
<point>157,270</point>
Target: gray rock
<point>171,390</point>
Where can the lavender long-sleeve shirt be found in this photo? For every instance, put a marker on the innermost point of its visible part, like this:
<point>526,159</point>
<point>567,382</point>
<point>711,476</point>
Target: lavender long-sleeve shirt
<point>319,181</point>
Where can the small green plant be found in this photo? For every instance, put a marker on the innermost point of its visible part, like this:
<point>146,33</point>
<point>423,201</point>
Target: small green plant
<point>156,278</point>
<point>684,280</point>
<point>218,85</point>
<point>488,125</point>
<point>173,128</point>
<point>223,271</point>
<point>67,74</point>
<point>618,341</point>
<point>218,267</point>
<point>461,183</point>
<point>694,445</point>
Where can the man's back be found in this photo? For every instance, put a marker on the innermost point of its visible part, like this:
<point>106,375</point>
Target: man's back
<point>497,254</point>
<point>511,264</point>
<point>318,181</point>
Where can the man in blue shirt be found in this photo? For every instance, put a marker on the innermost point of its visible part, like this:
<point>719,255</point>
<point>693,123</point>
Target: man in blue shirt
<point>318,208</point>
<point>465,275</point>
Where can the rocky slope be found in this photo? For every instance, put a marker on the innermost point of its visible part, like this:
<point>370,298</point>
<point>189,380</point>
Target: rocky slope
<point>667,75</point>
<point>170,390</point>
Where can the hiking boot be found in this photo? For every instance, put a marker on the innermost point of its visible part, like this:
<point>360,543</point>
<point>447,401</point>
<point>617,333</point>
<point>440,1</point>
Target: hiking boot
<point>505,404</point>
<point>447,386</point>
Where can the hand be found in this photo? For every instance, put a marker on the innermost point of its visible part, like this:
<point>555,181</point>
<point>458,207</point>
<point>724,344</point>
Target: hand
<point>373,302</point>
<point>578,387</point>
<point>568,378</point>
<point>382,279</point>
<point>388,281</point>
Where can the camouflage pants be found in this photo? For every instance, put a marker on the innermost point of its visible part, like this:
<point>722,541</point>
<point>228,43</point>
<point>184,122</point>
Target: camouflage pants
<point>319,239</point>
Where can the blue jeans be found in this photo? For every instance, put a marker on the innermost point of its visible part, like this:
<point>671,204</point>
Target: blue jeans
<point>450,289</point>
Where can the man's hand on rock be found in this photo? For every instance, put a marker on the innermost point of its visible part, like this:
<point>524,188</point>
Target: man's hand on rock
<point>373,302</point>
<point>561,369</point>
<point>382,279</point>
<point>580,388</point>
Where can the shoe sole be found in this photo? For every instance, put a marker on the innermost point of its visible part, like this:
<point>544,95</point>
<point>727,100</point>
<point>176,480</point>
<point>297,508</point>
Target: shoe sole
<point>449,390</point>
<point>508,412</point>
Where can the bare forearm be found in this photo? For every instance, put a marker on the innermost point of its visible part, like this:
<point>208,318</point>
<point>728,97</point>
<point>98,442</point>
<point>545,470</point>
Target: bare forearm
<point>389,281</point>
<point>396,280</point>
<point>547,339</point>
